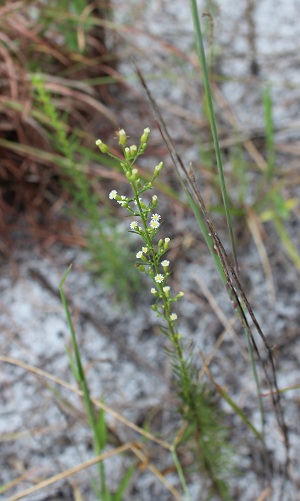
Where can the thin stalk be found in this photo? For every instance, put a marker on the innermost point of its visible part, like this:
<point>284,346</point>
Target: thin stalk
<point>239,412</point>
<point>256,379</point>
<point>290,248</point>
<point>212,120</point>
<point>233,286</point>
<point>180,473</point>
<point>269,128</point>
<point>84,386</point>
<point>150,261</point>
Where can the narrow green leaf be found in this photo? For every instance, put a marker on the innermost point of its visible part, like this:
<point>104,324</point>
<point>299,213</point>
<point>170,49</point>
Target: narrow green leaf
<point>72,365</point>
<point>239,412</point>
<point>212,120</point>
<point>269,129</point>
<point>101,429</point>
<point>124,483</point>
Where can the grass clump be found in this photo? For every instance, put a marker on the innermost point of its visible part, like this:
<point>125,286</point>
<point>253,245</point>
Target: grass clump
<point>108,257</point>
<point>35,45</point>
<point>96,420</point>
<point>49,96</point>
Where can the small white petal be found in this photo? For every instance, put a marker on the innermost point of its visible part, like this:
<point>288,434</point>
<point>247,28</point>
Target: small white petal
<point>154,224</point>
<point>155,217</point>
<point>113,194</point>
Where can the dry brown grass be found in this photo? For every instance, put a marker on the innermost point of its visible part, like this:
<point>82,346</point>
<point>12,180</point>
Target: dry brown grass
<point>30,166</point>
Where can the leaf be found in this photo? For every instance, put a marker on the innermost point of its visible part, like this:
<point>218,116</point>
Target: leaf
<point>101,429</point>
<point>124,483</point>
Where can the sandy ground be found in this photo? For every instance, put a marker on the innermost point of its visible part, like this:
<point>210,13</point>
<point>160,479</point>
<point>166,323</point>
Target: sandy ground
<point>123,350</point>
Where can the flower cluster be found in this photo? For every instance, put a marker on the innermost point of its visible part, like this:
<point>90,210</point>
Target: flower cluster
<point>146,224</point>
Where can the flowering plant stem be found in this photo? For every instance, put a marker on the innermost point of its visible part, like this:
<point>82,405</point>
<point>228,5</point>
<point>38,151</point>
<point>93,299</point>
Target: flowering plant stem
<point>196,406</point>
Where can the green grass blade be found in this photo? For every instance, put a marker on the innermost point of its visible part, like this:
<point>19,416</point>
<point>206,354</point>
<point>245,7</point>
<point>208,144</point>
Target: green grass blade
<point>269,129</point>
<point>77,367</point>
<point>124,483</point>
<point>180,474</point>
<point>239,412</point>
<point>205,234</point>
<point>73,366</point>
<point>288,244</point>
<point>101,429</point>
<point>212,120</point>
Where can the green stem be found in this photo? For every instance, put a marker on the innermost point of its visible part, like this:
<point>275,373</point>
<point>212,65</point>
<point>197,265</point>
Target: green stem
<point>202,59</point>
<point>180,474</point>
<point>83,385</point>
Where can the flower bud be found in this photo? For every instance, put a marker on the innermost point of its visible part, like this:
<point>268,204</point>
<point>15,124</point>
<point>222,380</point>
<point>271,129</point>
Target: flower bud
<point>122,137</point>
<point>145,135</point>
<point>133,150</point>
<point>158,169</point>
<point>134,175</point>
<point>102,146</point>
<point>154,201</point>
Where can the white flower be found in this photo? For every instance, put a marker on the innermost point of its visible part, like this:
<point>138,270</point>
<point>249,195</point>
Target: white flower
<point>154,224</point>
<point>159,278</point>
<point>135,202</point>
<point>173,317</point>
<point>139,254</point>
<point>165,263</point>
<point>153,290</point>
<point>113,194</point>
<point>167,240</point>
<point>145,250</point>
<point>166,289</point>
<point>133,225</point>
<point>155,217</point>
<point>123,201</point>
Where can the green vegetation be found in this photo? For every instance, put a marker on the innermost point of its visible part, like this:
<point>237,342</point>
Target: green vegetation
<point>51,95</point>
